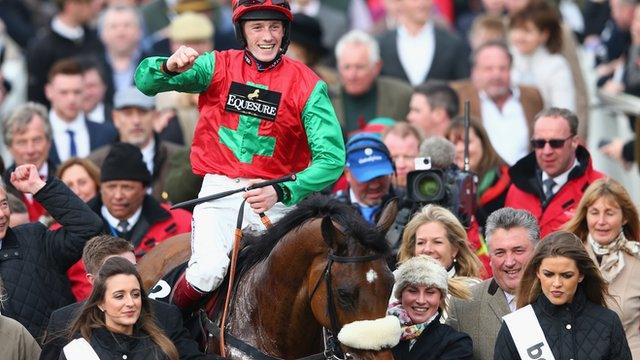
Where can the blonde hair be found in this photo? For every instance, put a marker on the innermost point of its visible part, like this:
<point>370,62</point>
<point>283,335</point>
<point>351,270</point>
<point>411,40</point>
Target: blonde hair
<point>466,262</point>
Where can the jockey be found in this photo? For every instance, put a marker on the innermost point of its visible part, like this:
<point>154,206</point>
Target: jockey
<point>262,116</point>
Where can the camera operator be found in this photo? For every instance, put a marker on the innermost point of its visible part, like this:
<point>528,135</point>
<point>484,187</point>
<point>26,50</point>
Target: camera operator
<point>439,181</point>
<point>368,171</point>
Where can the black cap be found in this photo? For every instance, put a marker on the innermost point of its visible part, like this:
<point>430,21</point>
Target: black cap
<point>124,162</point>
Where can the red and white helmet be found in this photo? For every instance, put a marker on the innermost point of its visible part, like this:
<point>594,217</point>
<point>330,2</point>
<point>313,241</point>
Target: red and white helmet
<point>244,10</point>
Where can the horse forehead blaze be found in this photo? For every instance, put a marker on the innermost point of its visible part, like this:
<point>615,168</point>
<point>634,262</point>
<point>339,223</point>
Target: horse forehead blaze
<point>371,276</point>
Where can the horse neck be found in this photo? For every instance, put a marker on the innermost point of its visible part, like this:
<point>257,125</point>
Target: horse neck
<point>276,305</point>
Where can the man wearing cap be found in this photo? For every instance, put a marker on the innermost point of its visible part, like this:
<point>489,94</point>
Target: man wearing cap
<point>133,114</point>
<point>262,116</point>
<point>368,172</point>
<point>72,134</point>
<point>127,211</point>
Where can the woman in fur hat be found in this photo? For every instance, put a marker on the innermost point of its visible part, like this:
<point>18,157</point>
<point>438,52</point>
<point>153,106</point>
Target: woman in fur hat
<point>421,287</point>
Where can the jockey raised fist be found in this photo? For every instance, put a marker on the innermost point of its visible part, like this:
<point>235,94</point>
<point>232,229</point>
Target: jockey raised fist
<point>181,60</point>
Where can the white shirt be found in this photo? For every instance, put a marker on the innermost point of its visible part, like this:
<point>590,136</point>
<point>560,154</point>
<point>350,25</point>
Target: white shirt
<point>550,73</point>
<point>148,153</point>
<point>114,222</point>
<point>97,114</point>
<point>416,52</point>
<point>59,128</point>
<point>507,128</point>
<point>561,179</point>
<point>66,31</point>
<point>511,301</point>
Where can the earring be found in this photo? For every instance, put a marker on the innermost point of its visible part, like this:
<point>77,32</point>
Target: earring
<point>455,260</point>
<point>101,309</point>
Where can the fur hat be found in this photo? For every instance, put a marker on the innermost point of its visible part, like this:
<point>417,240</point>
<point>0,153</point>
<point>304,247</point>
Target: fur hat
<point>124,162</point>
<point>420,270</point>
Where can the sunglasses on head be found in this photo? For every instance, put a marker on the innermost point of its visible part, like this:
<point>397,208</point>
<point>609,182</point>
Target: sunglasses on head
<point>283,3</point>
<point>554,143</point>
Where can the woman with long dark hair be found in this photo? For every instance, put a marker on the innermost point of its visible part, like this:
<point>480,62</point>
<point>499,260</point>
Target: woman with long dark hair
<point>562,299</point>
<point>116,321</point>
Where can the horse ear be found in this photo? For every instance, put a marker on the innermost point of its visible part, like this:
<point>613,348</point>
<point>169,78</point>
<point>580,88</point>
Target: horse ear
<point>388,215</point>
<point>328,230</point>
<point>332,235</point>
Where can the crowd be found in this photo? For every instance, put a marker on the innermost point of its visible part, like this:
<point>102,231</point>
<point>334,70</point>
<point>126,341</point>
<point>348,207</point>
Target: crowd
<point>112,110</point>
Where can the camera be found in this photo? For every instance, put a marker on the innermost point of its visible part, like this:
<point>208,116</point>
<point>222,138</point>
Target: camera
<point>451,188</point>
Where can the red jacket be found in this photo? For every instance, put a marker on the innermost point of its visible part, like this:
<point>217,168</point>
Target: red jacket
<point>526,191</point>
<point>163,224</point>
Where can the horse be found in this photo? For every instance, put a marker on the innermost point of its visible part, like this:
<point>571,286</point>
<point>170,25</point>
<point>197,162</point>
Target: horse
<point>319,267</point>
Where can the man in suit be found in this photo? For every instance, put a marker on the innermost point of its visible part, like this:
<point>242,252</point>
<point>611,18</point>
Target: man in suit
<point>72,134</point>
<point>506,111</point>
<point>168,317</point>
<point>419,50</point>
<point>511,237</point>
<point>363,94</point>
<point>133,114</point>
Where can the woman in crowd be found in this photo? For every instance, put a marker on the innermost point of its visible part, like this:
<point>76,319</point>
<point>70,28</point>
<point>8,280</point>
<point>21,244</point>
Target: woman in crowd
<point>116,321</point>
<point>421,287</point>
<point>607,223</point>
<point>567,293</point>
<point>484,161</point>
<point>81,176</point>
<point>536,38</point>
<point>436,232</point>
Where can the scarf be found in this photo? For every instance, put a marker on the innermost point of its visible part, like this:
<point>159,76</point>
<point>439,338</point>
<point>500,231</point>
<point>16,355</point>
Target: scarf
<point>410,331</point>
<point>612,254</point>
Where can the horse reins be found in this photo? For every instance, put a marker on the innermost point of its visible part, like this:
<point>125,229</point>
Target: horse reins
<point>334,349</point>
<point>232,271</point>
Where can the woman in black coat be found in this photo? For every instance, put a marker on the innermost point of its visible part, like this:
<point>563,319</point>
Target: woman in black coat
<point>116,322</point>
<point>421,287</point>
<point>567,293</point>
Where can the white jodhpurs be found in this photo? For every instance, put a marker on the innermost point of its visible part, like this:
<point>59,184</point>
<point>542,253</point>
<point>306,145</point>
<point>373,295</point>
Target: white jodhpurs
<point>213,226</point>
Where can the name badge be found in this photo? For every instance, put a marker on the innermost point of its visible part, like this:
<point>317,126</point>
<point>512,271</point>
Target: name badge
<point>253,101</point>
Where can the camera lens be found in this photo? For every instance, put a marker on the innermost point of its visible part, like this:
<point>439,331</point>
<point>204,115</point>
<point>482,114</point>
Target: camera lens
<point>428,187</point>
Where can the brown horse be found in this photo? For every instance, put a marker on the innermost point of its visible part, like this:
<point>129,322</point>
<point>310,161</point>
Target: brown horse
<point>320,266</point>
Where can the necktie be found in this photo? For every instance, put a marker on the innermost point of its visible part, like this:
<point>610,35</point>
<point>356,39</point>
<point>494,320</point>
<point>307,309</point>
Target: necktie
<point>73,151</point>
<point>123,226</point>
<point>548,188</point>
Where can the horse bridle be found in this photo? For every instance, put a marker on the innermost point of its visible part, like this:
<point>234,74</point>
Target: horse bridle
<point>332,350</point>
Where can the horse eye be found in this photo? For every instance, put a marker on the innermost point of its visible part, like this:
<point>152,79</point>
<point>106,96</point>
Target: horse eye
<point>346,298</point>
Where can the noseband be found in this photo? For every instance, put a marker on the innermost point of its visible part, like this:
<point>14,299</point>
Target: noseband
<point>332,348</point>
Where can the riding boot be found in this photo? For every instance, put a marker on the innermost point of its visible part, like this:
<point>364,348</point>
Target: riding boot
<point>185,295</point>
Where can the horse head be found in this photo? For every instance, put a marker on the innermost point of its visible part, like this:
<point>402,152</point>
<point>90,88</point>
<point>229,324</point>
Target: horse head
<point>353,282</point>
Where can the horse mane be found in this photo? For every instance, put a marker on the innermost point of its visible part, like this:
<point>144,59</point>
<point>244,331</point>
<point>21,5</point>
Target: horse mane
<point>257,247</point>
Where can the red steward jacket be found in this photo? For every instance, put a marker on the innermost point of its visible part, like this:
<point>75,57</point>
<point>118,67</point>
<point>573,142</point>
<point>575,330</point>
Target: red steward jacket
<point>156,224</point>
<point>526,191</point>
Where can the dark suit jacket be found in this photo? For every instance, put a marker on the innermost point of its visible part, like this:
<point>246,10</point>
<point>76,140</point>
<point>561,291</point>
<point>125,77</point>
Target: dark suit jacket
<point>99,135</point>
<point>392,97</point>
<point>480,317</point>
<point>167,316</point>
<point>450,58</point>
<point>530,99</point>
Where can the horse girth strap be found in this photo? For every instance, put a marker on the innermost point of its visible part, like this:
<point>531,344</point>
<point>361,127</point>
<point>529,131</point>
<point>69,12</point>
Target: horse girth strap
<point>253,352</point>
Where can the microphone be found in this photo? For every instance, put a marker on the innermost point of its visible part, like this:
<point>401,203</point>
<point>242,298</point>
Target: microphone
<point>441,151</point>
